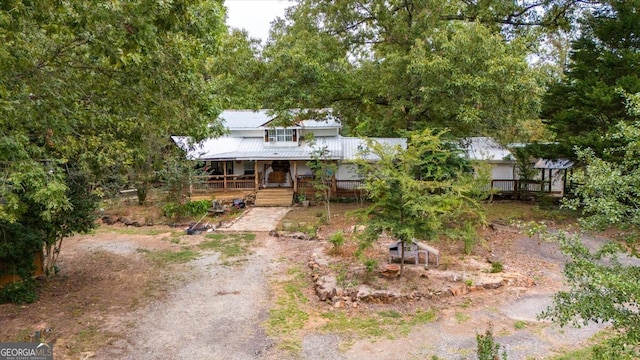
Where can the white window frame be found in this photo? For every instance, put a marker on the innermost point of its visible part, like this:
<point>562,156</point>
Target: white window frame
<point>280,135</point>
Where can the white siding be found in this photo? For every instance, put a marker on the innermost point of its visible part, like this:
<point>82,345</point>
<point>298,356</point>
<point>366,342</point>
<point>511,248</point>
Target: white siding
<point>247,133</point>
<point>320,132</point>
<point>347,172</point>
<point>304,169</point>
<point>502,171</point>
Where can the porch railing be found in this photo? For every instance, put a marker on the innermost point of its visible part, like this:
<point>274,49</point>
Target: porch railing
<point>508,187</point>
<point>217,183</point>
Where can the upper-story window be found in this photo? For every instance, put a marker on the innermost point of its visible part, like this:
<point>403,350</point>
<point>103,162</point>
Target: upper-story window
<point>281,135</point>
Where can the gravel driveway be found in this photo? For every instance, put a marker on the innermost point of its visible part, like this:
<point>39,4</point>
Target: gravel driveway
<point>218,314</point>
<point>215,316</point>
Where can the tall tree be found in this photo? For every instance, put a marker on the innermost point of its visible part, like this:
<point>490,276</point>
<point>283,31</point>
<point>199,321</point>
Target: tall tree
<point>603,283</point>
<point>421,192</point>
<point>236,71</point>
<point>96,89</point>
<point>604,62</point>
<point>387,66</point>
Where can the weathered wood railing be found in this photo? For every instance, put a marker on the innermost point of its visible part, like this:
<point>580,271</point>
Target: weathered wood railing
<point>512,187</point>
<point>218,183</point>
<point>339,188</point>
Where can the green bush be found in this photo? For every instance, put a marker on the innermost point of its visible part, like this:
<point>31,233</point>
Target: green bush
<point>190,209</point>
<point>20,292</point>
<point>370,265</point>
<point>170,210</point>
<point>488,348</point>
<point>496,267</point>
<point>196,208</point>
<point>337,239</point>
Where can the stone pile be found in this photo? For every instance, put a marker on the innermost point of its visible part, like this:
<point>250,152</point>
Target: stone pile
<point>328,290</point>
<point>298,235</point>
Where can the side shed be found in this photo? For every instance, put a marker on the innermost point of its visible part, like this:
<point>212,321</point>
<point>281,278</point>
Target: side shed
<point>554,175</point>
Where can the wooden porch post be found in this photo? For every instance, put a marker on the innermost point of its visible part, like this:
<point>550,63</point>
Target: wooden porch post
<point>255,174</point>
<point>224,176</point>
<point>334,183</point>
<point>542,183</point>
<point>295,176</point>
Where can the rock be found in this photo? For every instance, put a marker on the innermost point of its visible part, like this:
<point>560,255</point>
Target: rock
<point>298,235</point>
<point>455,291</point>
<point>494,285</point>
<point>109,220</point>
<point>274,233</point>
<point>363,291</point>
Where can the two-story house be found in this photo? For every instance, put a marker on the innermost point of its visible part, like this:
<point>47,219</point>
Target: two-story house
<point>255,155</point>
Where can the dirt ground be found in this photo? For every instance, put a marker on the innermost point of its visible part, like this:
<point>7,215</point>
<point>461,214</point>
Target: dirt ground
<point>114,299</point>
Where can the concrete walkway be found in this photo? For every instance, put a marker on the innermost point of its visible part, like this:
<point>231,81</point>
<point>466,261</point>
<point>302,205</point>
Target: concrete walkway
<point>258,219</point>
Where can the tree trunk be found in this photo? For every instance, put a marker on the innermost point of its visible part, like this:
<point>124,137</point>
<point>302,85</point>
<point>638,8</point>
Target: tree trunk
<point>142,189</point>
<point>401,256</point>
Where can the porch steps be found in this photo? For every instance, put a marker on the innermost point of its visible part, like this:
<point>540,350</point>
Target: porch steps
<point>274,197</point>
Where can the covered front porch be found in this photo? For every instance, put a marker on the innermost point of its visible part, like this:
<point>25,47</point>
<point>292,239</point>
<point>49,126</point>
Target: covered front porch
<point>220,178</point>
<point>234,175</point>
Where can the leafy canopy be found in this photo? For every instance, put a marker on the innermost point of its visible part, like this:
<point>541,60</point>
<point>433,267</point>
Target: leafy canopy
<point>98,86</point>
<point>389,66</point>
<point>591,98</point>
<point>419,192</point>
<point>89,94</point>
<point>604,283</point>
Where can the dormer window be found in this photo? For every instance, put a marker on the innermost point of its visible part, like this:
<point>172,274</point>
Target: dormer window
<point>281,135</point>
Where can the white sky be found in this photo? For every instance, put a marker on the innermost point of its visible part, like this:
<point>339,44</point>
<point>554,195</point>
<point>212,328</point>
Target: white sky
<point>255,15</point>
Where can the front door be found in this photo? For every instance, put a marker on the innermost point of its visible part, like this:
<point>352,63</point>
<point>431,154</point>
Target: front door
<point>279,174</point>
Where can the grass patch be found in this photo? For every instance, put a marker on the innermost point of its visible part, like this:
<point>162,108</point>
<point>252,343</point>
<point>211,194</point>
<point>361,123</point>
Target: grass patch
<point>228,245</point>
<point>89,339</point>
<point>520,324</point>
<point>382,324</point>
<point>579,354</point>
<point>166,257</point>
<point>287,316</point>
<point>461,317</point>
<point>510,211</point>
<point>132,230</point>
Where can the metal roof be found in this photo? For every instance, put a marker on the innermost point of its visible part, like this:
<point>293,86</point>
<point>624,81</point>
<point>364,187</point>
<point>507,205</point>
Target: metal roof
<point>560,164</point>
<point>354,147</point>
<point>244,119</point>
<point>485,148</point>
<point>256,119</point>
<point>237,148</point>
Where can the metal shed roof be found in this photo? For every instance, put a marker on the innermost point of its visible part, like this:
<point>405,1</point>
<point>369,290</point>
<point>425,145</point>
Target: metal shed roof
<point>560,164</point>
<point>485,148</point>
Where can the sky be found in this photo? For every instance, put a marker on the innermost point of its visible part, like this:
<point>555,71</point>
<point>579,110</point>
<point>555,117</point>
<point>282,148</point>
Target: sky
<point>255,15</point>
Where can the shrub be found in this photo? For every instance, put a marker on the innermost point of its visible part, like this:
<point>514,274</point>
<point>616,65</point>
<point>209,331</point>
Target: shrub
<point>488,348</point>
<point>370,265</point>
<point>337,239</point>
<point>496,267</point>
<point>196,208</point>
<point>19,292</point>
<point>190,209</point>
